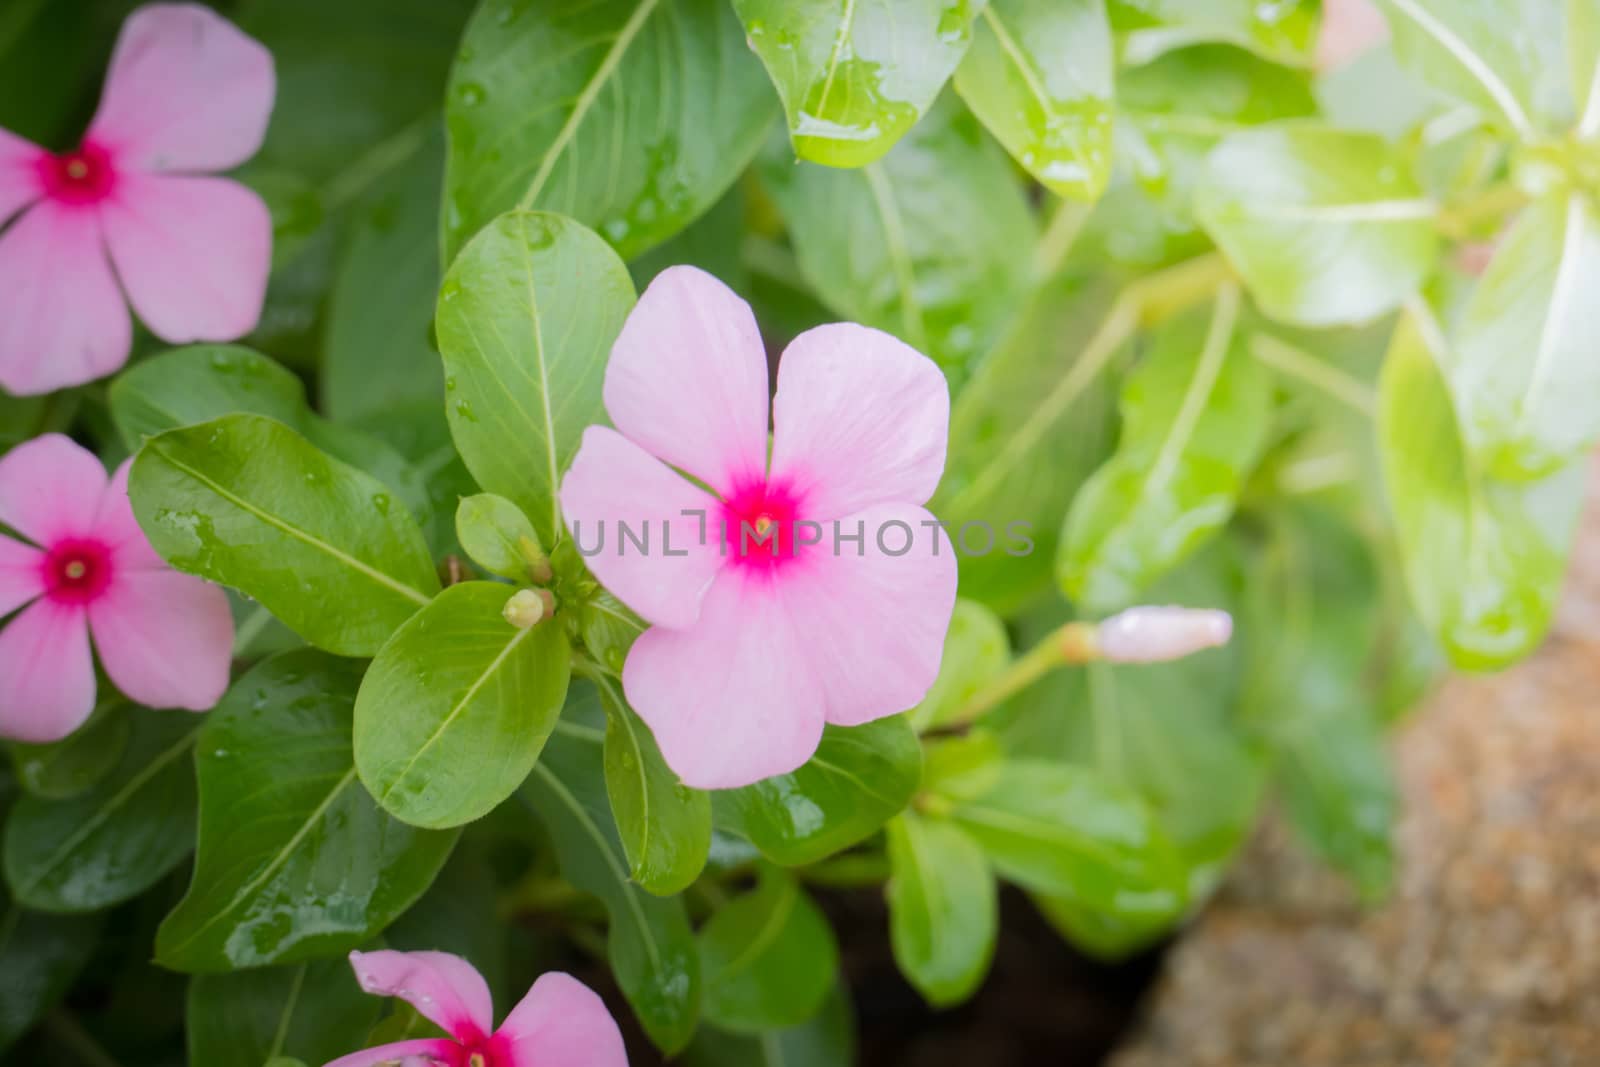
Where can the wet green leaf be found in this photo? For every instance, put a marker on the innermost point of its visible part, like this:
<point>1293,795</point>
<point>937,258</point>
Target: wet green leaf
<point>1195,416</point>
<point>828,1040</point>
<point>649,944</point>
<point>1325,226</point>
<point>645,112</point>
<point>67,767</point>
<point>1039,76</point>
<point>664,825</point>
<point>930,243</point>
<point>1524,370</point>
<point>296,861</point>
<point>245,501</point>
<point>313,1011</point>
<point>1483,558</point>
<point>855,77</point>
<point>457,705</point>
<point>769,957</point>
<point>859,779</point>
<point>117,839</point>
<point>527,317</point>
<point>1501,56</point>
<point>944,915</point>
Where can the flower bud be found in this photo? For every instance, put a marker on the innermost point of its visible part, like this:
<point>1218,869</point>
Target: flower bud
<point>527,607</point>
<point>1157,634</point>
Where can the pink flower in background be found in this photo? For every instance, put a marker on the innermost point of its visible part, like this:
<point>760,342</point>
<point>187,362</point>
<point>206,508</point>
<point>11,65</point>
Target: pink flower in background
<point>1349,28</point>
<point>755,645</point>
<point>187,95</point>
<point>166,639</point>
<point>560,1023</point>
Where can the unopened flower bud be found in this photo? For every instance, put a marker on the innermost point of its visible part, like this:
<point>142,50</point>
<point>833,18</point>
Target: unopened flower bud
<point>1158,634</point>
<point>527,607</point>
<point>538,563</point>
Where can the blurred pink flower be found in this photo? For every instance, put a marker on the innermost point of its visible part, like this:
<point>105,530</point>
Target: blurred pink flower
<point>560,1023</point>
<point>166,639</point>
<point>1349,28</point>
<point>187,94</point>
<point>756,644</point>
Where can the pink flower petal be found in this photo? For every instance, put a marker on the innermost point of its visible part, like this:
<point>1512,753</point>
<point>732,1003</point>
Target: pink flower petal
<point>193,254</point>
<point>166,639</point>
<point>562,1023</point>
<point>21,577</point>
<point>444,988</point>
<point>611,480</point>
<point>874,624</point>
<point>426,1050</point>
<point>62,319</point>
<point>861,419</point>
<point>732,699</point>
<point>116,528</point>
<point>50,488</point>
<point>19,174</point>
<point>687,379</point>
<point>186,91</point>
<point>1349,28</point>
<point>49,677</point>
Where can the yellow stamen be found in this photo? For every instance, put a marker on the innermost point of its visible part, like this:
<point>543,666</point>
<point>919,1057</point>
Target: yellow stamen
<point>763,524</point>
<point>77,170</point>
<point>76,569</point>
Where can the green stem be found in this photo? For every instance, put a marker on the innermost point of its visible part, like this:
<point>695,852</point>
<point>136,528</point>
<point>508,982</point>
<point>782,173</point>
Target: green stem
<point>1296,362</point>
<point>854,871</point>
<point>1461,220</point>
<point>1074,643</point>
<point>1059,237</point>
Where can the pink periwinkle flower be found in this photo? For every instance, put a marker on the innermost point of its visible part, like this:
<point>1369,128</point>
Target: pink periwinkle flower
<point>784,595</point>
<point>1349,28</point>
<point>187,95</point>
<point>560,1023</point>
<point>164,638</point>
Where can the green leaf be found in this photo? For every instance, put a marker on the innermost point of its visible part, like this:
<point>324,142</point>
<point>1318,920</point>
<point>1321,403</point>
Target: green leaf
<point>855,77</point>
<point>768,957</point>
<point>378,351</point>
<point>459,914</point>
<point>1281,31</point>
<point>828,1040</point>
<point>295,861</point>
<point>497,535</point>
<point>313,1011</point>
<point>608,629</point>
<point>976,649</point>
<point>456,707</point>
<point>202,382</point>
<point>245,501</point>
<point>1524,372</point>
<point>646,111</point>
<point>117,839</point>
<point>1035,421</point>
<point>527,317</point>
<point>859,779</point>
<point>1483,558</point>
<point>343,115</point>
<point>1039,76</point>
<point>1501,56</point>
<point>1325,226</point>
<point>40,956</point>
<point>1195,416</point>
<point>944,915</point>
<point>67,767</point>
<point>1310,634</point>
<point>1072,833</point>
<point>664,825</point>
<point>649,944</point>
<point>928,244</point>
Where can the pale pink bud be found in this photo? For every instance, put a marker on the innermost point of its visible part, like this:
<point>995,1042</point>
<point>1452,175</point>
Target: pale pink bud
<point>1157,634</point>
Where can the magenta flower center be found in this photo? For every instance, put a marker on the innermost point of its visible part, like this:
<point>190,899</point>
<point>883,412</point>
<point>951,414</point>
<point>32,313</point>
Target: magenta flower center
<point>480,1051</point>
<point>762,526</point>
<point>77,571</point>
<point>82,176</point>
